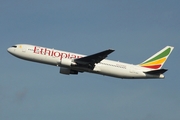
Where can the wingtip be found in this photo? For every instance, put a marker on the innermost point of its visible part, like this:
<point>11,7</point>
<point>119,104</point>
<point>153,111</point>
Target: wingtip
<point>111,49</point>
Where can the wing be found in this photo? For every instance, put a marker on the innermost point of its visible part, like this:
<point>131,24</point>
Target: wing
<point>89,61</point>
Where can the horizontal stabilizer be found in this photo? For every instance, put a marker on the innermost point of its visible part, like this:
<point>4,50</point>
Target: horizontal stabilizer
<point>156,72</point>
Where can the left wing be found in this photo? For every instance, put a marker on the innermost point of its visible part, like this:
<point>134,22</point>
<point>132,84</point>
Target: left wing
<point>89,61</point>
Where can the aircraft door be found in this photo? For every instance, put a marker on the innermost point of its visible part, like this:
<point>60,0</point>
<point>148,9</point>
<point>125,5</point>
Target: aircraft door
<point>133,70</point>
<point>23,48</point>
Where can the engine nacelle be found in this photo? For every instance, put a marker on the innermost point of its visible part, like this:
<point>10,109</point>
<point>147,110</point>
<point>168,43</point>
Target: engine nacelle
<point>67,71</point>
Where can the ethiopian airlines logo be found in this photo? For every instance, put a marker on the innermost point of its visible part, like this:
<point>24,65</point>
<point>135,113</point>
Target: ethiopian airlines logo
<point>158,60</point>
<point>55,53</point>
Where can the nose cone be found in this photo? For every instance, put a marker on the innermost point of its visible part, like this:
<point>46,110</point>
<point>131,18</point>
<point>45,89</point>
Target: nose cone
<point>9,50</point>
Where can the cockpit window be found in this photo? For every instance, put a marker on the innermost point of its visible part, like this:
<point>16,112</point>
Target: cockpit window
<point>14,46</point>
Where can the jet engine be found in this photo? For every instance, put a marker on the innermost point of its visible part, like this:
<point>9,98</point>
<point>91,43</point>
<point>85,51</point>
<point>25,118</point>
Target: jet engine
<point>67,71</point>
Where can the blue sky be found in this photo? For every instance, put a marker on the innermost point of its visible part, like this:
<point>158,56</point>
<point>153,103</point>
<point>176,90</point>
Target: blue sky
<point>135,29</point>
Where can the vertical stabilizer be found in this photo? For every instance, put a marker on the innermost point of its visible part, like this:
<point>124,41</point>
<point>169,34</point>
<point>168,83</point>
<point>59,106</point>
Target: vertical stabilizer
<point>158,59</point>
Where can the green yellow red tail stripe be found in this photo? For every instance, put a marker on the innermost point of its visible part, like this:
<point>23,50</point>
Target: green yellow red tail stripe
<point>157,60</point>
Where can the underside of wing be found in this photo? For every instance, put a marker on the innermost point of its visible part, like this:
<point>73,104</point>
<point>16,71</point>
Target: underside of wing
<point>90,60</point>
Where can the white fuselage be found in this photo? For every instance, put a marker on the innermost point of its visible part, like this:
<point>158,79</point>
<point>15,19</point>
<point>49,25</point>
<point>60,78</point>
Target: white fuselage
<point>54,57</point>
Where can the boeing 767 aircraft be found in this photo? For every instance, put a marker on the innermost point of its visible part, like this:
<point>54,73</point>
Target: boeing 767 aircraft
<point>72,63</point>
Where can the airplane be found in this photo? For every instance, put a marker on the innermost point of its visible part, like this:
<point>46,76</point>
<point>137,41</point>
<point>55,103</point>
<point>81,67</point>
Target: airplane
<point>73,63</point>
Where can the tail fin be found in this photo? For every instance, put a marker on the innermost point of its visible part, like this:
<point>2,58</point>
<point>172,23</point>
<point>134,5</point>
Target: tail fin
<point>158,59</point>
